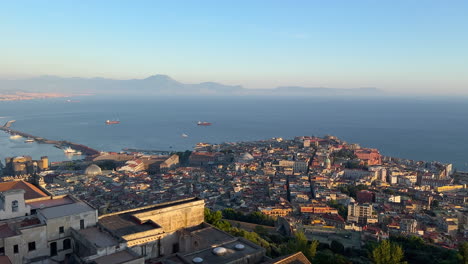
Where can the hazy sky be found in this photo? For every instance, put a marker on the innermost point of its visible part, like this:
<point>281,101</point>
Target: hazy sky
<point>400,46</point>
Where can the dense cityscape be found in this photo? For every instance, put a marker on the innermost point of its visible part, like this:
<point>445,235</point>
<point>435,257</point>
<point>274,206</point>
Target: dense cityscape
<point>343,198</point>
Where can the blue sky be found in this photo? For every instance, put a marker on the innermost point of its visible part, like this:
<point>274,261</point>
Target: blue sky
<point>401,46</point>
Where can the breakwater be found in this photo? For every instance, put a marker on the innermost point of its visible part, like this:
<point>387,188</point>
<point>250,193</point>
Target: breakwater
<point>85,150</point>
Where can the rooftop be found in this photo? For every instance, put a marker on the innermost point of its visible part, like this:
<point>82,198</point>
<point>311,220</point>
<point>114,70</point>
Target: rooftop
<point>118,257</point>
<point>231,254</point>
<point>65,210</point>
<point>99,238</point>
<point>125,224</point>
<point>31,191</point>
<point>50,202</point>
<point>6,231</point>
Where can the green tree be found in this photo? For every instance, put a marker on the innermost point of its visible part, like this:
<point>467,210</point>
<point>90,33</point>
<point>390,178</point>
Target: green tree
<point>387,253</point>
<point>463,252</point>
<point>212,217</point>
<point>337,247</point>
<point>300,243</point>
<point>328,257</point>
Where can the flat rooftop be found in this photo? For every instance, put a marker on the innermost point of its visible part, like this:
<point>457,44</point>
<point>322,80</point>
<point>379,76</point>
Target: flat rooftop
<point>210,235</point>
<point>99,238</point>
<point>65,210</point>
<point>118,257</point>
<point>50,202</point>
<point>250,250</point>
<point>125,224</point>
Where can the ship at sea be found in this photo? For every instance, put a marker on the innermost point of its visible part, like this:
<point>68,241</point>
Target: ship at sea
<point>112,122</point>
<point>29,140</point>
<point>184,135</point>
<point>15,137</point>
<point>200,123</point>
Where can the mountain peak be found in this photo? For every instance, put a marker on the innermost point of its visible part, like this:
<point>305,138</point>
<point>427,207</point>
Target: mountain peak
<point>160,77</point>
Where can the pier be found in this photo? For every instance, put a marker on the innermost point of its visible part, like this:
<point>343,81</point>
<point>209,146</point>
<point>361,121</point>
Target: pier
<point>61,144</point>
<point>148,151</point>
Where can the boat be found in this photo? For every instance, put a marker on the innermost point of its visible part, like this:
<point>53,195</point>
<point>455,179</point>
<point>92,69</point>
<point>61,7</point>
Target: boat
<point>184,135</point>
<point>112,122</point>
<point>15,137</point>
<point>200,123</point>
<point>70,151</point>
<point>29,140</point>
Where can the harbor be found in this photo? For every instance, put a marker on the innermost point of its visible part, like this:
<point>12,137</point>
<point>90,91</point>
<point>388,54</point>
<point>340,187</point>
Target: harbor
<point>63,144</point>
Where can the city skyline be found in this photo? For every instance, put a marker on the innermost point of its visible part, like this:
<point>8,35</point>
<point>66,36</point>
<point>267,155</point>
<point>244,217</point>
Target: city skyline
<point>399,46</point>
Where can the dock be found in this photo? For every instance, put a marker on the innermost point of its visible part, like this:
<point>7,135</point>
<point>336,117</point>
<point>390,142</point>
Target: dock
<point>149,151</point>
<point>61,144</point>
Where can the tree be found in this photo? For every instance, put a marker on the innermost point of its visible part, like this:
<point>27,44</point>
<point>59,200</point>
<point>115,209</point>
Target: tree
<point>387,253</point>
<point>300,243</point>
<point>337,247</point>
<point>212,217</point>
<point>463,252</point>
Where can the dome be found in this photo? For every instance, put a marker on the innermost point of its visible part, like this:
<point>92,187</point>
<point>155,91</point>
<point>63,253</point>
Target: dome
<point>219,251</point>
<point>239,247</point>
<point>93,170</point>
<point>246,157</point>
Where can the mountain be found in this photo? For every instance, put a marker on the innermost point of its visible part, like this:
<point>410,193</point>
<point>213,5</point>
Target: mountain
<point>162,85</point>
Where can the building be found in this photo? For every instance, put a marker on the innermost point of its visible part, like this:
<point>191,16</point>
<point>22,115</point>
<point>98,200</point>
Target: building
<point>361,213</point>
<point>202,159</point>
<point>38,229</point>
<point>278,210</point>
<point>408,226</point>
<point>25,165</point>
<point>45,229</point>
<point>365,196</point>
<point>369,156</point>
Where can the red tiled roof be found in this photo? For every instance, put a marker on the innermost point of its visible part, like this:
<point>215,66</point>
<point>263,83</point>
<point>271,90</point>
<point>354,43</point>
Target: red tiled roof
<point>31,191</point>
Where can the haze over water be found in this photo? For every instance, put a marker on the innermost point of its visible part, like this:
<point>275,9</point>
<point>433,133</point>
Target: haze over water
<point>419,129</point>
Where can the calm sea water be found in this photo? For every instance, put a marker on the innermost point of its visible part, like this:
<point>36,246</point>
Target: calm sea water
<point>420,129</point>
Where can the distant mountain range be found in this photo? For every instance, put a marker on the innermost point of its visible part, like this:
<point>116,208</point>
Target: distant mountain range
<point>163,85</point>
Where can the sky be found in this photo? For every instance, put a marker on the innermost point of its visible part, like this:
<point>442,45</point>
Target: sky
<point>406,46</point>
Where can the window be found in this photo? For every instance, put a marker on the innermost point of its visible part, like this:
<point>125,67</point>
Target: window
<point>31,246</point>
<point>66,244</point>
<point>61,230</point>
<point>2,251</point>
<point>15,249</point>
<point>14,206</point>
<point>81,224</point>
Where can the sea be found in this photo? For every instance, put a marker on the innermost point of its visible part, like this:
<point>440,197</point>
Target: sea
<point>418,128</point>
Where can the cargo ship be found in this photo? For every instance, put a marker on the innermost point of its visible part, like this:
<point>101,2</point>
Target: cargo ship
<point>203,123</point>
<point>112,122</point>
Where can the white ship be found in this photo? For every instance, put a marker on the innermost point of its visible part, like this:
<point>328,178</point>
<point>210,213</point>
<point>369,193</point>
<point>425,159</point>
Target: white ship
<point>70,151</point>
<point>184,135</point>
<point>29,140</point>
<point>15,137</point>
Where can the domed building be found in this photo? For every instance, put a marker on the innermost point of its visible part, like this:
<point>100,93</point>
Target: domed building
<point>246,157</point>
<point>93,170</point>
